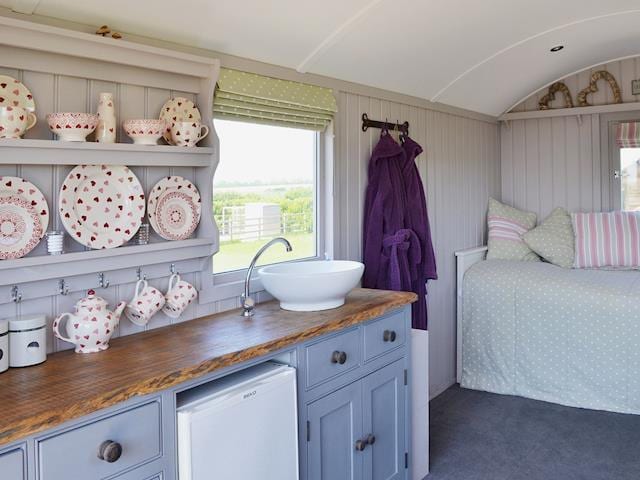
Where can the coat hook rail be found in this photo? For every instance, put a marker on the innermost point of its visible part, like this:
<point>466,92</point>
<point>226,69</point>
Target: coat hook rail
<point>368,123</point>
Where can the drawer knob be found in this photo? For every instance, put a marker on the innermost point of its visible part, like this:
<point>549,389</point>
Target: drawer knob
<point>109,451</point>
<point>361,445</point>
<point>371,439</point>
<point>389,336</point>
<point>339,357</point>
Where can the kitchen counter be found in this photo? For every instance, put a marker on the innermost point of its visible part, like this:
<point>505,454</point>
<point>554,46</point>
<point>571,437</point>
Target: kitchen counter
<point>71,385</point>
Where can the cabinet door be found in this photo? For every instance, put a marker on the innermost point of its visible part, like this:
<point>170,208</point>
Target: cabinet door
<point>335,423</point>
<point>384,395</point>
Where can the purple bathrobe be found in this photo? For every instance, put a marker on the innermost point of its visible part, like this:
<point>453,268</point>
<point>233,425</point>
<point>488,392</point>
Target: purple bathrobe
<point>398,253</point>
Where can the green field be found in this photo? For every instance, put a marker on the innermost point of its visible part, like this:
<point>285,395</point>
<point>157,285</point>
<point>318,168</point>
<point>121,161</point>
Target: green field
<point>237,255</point>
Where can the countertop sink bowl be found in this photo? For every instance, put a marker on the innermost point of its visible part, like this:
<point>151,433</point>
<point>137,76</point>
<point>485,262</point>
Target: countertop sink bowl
<point>311,286</point>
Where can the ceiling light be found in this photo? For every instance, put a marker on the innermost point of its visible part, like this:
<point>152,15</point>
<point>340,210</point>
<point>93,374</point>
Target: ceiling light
<point>557,48</point>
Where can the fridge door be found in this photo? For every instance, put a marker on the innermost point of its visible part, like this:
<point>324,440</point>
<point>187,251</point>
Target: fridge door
<point>242,427</point>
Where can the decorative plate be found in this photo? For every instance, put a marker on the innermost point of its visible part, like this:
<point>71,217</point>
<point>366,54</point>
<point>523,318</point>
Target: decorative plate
<point>168,184</point>
<point>101,206</point>
<point>19,187</point>
<point>178,109</point>
<point>177,215</point>
<point>20,228</point>
<point>14,93</point>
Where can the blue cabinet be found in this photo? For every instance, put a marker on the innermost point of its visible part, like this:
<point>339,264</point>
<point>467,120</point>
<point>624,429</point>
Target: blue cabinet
<point>384,400</point>
<point>334,425</point>
<point>357,420</point>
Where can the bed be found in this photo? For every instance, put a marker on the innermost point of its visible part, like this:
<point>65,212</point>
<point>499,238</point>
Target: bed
<point>532,329</point>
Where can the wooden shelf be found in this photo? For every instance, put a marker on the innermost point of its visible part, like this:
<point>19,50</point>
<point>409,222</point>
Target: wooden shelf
<point>55,152</point>
<point>43,267</point>
<point>566,112</point>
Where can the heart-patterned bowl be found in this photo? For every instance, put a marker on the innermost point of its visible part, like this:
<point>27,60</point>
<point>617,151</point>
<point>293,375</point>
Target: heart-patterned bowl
<point>72,126</point>
<point>145,131</point>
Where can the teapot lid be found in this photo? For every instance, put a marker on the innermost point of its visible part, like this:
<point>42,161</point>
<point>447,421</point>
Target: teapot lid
<point>91,300</point>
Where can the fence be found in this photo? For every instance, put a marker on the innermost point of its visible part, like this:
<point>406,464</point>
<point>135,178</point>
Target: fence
<point>235,226</point>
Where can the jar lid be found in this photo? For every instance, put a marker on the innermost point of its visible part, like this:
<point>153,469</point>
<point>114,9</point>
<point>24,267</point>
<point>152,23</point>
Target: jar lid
<point>4,326</point>
<point>27,323</point>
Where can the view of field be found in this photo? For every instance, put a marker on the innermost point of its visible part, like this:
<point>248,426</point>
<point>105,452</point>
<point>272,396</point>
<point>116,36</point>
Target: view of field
<point>630,178</point>
<point>263,188</point>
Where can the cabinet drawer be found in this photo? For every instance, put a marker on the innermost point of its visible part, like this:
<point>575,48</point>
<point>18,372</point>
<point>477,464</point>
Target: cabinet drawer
<point>12,465</point>
<point>384,335</point>
<point>74,454</point>
<point>332,357</point>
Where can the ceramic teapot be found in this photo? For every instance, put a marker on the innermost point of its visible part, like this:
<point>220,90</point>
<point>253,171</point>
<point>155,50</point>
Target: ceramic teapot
<point>92,325</point>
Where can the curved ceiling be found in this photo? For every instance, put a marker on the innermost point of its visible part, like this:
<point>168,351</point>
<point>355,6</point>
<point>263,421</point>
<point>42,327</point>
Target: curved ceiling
<point>479,55</point>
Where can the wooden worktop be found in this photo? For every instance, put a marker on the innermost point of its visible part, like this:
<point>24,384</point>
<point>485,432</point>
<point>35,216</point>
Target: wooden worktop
<point>69,385</point>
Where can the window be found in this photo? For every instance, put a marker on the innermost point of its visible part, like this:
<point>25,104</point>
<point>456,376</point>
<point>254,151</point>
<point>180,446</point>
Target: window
<point>629,174</point>
<point>265,186</point>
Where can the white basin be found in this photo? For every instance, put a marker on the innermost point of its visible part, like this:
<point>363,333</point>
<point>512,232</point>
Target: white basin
<point>311,286</point>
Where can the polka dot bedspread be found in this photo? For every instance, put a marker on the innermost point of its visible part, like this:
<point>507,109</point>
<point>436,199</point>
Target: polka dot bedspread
<point>560,335</point>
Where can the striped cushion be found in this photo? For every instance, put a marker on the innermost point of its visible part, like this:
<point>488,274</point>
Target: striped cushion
<point>506,227</point>
<point>607,239</point>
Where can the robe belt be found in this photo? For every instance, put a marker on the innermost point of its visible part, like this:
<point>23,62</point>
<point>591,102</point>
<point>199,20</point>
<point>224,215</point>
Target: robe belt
<point>404,258</point>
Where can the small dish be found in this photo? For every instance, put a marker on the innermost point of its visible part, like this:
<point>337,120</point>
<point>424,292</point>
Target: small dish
<point>72,126</point>
<point>145,131</point>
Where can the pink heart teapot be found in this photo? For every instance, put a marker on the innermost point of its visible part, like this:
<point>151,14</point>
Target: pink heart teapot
<point>92,325</point>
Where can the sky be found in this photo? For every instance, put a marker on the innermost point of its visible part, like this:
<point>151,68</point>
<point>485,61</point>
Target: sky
<point>262,153</point>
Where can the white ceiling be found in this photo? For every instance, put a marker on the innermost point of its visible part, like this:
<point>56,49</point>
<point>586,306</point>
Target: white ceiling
<point>482,55</point>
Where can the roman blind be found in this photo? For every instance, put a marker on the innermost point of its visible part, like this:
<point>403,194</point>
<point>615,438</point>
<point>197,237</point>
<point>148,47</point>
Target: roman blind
<point>255,98</point>
<point>628,135</point>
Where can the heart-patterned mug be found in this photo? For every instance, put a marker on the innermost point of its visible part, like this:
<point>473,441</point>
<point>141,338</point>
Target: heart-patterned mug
<point>187,134</point>
<point>145,304</point>
<point>15,121</point>
<point>179,296</point>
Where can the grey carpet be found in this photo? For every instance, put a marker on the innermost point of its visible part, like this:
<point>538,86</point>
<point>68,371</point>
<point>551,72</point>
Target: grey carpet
<point>483,436</point>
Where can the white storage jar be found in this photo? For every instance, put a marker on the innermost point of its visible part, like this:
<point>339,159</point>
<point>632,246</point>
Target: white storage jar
<point>27,340</point>
<point>4,345</point>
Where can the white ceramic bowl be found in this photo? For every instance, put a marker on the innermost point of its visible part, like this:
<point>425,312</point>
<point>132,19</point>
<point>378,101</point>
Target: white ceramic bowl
<point>311,286</point>
<point>144,131</point>
<point>72,126</point>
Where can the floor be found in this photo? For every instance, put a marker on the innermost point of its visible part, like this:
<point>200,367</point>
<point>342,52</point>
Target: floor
<point>479,435</point>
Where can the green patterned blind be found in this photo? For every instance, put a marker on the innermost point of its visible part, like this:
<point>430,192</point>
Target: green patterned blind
<point>254,98</point>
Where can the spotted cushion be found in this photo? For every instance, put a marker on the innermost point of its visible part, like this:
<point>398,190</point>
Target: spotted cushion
<point>553,239</point>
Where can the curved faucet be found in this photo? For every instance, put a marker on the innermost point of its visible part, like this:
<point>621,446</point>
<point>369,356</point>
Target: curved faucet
<point>249,303</point>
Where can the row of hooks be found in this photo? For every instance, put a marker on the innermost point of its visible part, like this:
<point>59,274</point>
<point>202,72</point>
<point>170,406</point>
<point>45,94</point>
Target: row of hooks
<point>103,282</point>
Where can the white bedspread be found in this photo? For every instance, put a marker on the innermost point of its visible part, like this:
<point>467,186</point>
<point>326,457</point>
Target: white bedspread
<point>560,335</point>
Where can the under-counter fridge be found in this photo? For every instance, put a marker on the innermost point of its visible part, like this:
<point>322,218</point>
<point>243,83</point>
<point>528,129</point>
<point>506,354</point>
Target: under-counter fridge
<point>240,427</point>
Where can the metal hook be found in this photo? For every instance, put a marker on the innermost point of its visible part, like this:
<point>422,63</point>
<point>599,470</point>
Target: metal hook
<point>173,269</point>
<point>141,276</point>
<point>16,294</point>
<point>63,288</point>
<point>102,283</point>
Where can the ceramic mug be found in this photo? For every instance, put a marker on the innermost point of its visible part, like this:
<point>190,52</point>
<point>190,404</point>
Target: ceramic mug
<point>15,121</point>
<point>145,304</point>
<point>187,134</point>
<point>179,296</point>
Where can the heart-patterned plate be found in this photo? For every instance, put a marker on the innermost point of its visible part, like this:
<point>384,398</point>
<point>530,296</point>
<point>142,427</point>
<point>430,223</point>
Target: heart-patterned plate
<point>177,215</point>
<point>20,228</point>
<point>101,206</point>
<point>178,109</point>
<point>13,93</point>
<point>169,184</point>
<point>19,187</point>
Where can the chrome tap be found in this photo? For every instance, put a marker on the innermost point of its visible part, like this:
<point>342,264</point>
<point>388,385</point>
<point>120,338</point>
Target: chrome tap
<point>249,303</point>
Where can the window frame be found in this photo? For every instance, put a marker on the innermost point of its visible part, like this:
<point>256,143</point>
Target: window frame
<point>611,186</point>
<point>228,285</point>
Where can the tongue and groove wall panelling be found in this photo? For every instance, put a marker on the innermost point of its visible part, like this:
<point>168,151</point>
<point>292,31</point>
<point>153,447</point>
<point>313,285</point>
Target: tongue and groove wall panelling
<point>552,162</point>
<point>460,168</point>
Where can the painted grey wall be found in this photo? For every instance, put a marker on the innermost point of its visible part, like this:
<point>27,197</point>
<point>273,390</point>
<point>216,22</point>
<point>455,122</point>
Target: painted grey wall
<point>564,161</point>
<point>460,168</point>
